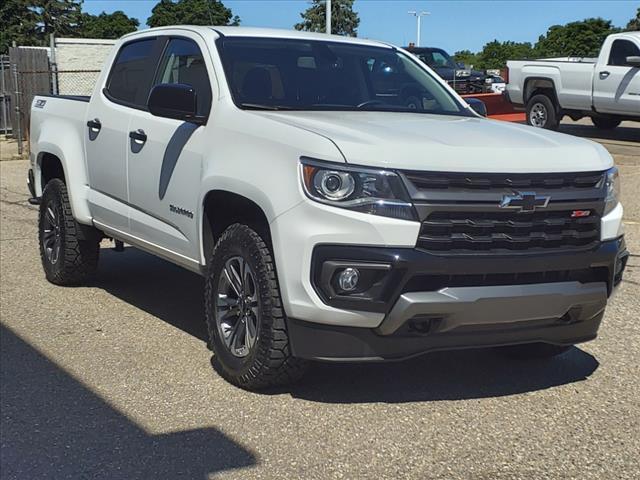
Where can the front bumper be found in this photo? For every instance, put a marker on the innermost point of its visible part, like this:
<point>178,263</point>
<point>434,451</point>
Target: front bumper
<point>431,302</point>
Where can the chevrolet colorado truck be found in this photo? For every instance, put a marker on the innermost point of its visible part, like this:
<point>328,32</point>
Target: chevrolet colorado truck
<point>331,218</point>
<point>606,88</point>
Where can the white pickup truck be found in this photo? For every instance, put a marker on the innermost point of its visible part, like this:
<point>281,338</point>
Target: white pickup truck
<point>342,202</point>
<point>606,88</point>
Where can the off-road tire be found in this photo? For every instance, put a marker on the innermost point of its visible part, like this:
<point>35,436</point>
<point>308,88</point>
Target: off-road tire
<point>605,123</point>
<point>534,350</point>
<point>80,246</point>
<point>269,362</point>
<point>552,119</point>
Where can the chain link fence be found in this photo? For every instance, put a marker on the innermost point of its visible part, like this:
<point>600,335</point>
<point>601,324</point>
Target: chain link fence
<point>28,84</point>
<point>74,82</point>
<point>5,95</point>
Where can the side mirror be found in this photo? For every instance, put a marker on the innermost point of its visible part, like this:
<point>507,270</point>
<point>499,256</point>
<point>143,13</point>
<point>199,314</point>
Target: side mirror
<point>633,61</point>
<point>477,106</point>
<point>174,100</point>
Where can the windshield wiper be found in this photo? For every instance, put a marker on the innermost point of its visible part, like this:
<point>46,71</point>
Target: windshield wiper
<point>260,106</point>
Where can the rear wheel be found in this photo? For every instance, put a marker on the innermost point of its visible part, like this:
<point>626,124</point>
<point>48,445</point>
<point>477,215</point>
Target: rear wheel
<point>534,350</point>
<point>541,112</point>
<point>69,252</point>
<point>245,319</point>
<point>605,123</point>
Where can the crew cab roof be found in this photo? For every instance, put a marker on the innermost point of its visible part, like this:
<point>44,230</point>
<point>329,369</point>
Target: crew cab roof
<point>228,31</point>
<point>635,35</point>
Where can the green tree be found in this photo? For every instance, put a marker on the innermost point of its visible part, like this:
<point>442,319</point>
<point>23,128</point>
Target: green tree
<point>344,20</point>
<point>494,55</point>
<point>60,17</point>
<point>191,12</point>
<point>106,25</point>
<point>18,24</point>
<point>467,57</point>
<point>634,23</point>
<point>575,39</point>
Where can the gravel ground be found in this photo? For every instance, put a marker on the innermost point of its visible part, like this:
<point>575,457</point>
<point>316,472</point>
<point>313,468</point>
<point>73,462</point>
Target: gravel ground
<point>113,381</point>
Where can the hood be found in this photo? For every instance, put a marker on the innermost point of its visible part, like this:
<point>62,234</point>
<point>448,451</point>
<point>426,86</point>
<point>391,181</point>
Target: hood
<point>447,73</point>
<point>415,141</point>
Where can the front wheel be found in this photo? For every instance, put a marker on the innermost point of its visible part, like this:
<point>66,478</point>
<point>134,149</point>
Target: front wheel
<point>245,319</point>
<point>534,350</point>
<point>541,112</point>
<point>605,123</point>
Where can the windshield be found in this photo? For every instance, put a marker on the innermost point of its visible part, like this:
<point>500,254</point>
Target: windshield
<point>436,58</point>
<point>294,74</point>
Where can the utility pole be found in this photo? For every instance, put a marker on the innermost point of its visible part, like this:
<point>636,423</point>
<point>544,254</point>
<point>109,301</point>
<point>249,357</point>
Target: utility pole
<point>419,16</point>
<point>328,17</point>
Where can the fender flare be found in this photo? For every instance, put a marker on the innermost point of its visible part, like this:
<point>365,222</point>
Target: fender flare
<point>74,170</point>
<point>235,186</point>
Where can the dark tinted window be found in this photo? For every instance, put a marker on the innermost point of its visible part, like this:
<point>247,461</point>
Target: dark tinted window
<point>182,62</point>
<point>620,50</point>
<point>316,75</point>
<point>131,74</point>
<point>436,58</point>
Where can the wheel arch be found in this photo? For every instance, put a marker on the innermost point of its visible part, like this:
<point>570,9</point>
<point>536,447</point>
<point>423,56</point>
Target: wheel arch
<point>540,85</point>
<point>50,166</point>
<point>222,208</point>
<point>63,159</point>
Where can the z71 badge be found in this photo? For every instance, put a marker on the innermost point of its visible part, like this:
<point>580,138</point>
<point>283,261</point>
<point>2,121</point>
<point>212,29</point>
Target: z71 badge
<point>40,104</point>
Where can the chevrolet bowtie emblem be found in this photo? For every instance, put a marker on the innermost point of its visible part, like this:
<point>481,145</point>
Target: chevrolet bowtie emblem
<point>524,201</point>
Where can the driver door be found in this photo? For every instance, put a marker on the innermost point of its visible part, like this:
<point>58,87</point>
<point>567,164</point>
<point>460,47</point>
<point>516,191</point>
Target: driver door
<point>616,85</point>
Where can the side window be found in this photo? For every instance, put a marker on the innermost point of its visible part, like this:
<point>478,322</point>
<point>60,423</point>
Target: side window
<point>182,62</point>
<point>620,50</point>
<point>129,79</point>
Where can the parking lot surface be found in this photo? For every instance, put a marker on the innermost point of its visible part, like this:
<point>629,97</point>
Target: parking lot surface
<point>113,381</point>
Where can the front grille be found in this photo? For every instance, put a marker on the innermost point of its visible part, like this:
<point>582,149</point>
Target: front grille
<point>508,231</point>
<point>432,283</point>
<point>463,212</point>
<point>434,180</point>
<point>465,86</point>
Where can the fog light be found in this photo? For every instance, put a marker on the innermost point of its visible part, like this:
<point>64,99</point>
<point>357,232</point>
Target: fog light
<point>348,279</point>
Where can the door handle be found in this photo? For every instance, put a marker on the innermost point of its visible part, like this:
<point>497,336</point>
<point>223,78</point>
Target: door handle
<point>604,74</point>
<point>94,125</point>
<point>138,135</point>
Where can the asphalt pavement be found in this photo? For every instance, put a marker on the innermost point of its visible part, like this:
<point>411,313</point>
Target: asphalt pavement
<point>114,381</point>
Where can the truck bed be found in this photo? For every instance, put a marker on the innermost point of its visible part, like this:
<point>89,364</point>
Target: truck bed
<point>65,117</point>
<point>573,80</point>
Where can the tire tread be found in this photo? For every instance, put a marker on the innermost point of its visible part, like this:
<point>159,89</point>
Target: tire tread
<point>274,364</point>
<point>79,258</point>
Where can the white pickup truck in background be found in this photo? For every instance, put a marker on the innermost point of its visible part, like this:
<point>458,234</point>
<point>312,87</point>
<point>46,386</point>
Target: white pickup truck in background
<point>606,88</point>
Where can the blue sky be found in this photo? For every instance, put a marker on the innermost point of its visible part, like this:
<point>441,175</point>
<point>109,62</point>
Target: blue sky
<point>452,25</point>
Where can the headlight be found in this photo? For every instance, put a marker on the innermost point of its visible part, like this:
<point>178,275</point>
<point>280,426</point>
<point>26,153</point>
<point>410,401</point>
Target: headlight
<point>373,191</point>
<point>612,185</point>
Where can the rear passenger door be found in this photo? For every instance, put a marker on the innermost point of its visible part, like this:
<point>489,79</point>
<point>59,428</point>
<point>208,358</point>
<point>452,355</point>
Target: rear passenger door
<point>165,166</point>
<point>106,136</point>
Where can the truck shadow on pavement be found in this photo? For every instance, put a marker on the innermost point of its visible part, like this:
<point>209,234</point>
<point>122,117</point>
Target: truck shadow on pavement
<point>174,295</point>
<point>53,426</point>
<point>452,375</point>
